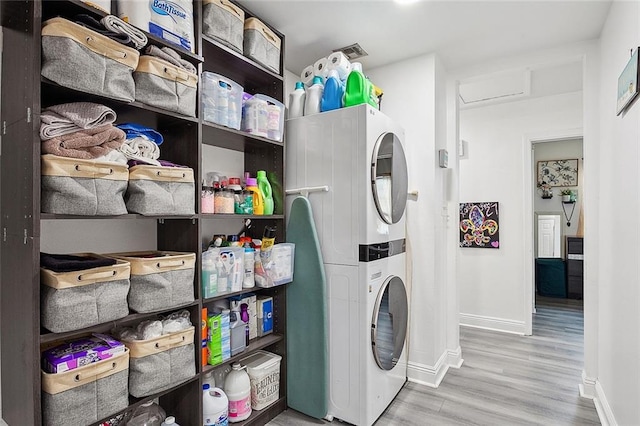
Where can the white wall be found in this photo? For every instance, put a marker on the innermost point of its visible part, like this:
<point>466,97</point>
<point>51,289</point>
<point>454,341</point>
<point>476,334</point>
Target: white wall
<point>559,150</point>
<point>415,96</point>
<point>491,284</point>
<point>618,359</point>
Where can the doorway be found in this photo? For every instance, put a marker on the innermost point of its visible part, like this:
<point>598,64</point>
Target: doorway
<point>557,210</point>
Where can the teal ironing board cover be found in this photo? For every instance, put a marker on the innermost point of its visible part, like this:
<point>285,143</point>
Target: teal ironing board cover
<point>307,339</point>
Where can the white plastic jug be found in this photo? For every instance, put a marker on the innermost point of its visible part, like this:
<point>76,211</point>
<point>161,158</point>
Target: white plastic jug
<point>238,389</point>
<point>215,406</point>
<point>314,97</point>
<point>170,421</point>
<point>296,101</point>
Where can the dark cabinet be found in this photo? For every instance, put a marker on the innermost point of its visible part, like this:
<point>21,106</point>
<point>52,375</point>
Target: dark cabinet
<point>574,259</point>
<point>24,94</point>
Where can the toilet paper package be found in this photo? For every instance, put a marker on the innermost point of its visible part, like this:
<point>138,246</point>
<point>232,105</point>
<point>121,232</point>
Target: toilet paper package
<point>171,20</point>
<point>307,76</point>
<point>321,68</point>
<point>338,61</point>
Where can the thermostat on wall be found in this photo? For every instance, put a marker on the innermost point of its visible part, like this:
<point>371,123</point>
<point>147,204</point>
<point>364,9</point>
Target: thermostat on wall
<point>443,158</point>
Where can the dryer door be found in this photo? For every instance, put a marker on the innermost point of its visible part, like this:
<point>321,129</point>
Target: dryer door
<point>389,323</point>
<point>389,178</point>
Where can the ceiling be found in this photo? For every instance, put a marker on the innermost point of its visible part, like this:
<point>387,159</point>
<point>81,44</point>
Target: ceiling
<point>461,32</point>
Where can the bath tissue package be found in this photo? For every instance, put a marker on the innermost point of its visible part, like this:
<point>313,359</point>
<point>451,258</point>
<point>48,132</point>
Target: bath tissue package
<point>171,20</point>
<point>320,68</point>
<point>307,76</point>
<point>338,61</point>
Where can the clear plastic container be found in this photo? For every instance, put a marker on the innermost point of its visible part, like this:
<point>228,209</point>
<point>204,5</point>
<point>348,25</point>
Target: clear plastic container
<point>221,100</point>
<point>147,414</point>
<point>275,117</point>
<point>207,201</point>
<point>223,201</point>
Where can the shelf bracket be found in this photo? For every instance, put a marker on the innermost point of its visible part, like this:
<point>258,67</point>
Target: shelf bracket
<point>307,190</point>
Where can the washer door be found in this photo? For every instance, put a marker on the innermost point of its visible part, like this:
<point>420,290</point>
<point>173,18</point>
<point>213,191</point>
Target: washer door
<point>389,323</point>
<point>389,178</point>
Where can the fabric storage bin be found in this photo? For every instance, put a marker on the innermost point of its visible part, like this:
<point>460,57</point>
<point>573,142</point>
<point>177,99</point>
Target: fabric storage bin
<point>161,363</point>
<point>157,190</point>
<point>159,279</point>
<point>161,84</point>
<point>261,44</point>
<point>221,100</point>
<point>82,187</point>
<point>223,21</point>
<point>79,299</point>
<point>264,375</point>
<point>86,394</point>
<point>77,57</point>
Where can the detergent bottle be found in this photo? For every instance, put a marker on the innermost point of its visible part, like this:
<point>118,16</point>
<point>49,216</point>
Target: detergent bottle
<point>265,190</point>
<point>258,203</point>
<point>296,101</point>
<point>333,92</point>
<point>359,89</point>
<point>314,96</point>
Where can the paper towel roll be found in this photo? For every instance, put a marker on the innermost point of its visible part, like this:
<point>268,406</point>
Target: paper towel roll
<point>338,61</point>
<point>307,76</point>
<point>320,68</point>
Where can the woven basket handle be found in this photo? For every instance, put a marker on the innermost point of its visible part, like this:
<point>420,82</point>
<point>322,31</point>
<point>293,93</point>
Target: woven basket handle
<point>171,341</point>
<point>176,74</point>
<point>91,373</point>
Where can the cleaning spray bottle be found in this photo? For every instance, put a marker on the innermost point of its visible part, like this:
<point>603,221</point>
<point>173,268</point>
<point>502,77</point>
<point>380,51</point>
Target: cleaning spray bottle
<point>265,190</point>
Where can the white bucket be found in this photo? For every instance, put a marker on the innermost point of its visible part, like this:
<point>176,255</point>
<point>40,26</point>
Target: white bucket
<point>238,389</point>
<point>215,406</point>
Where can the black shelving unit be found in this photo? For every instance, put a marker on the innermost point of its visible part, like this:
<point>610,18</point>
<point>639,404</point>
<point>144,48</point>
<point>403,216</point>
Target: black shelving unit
<point>24,94</point>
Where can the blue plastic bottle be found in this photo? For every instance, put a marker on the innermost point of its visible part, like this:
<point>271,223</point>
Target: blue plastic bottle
<point>333,92</point>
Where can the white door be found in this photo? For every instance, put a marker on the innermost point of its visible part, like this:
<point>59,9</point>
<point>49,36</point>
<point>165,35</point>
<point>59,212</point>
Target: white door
<point>549,236</point>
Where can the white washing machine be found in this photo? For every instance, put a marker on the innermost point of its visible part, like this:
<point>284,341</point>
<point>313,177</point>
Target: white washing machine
<point>357,153</point>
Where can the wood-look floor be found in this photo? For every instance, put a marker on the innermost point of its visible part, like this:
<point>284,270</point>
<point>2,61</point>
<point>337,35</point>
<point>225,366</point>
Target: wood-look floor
<point>505,379</point>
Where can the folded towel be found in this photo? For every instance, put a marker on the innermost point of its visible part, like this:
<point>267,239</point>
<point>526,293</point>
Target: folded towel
<point>114,156</point>
<point>58,120</point>
<point>117,25</point>
<point>69,263</point>
<point>86,144</point>
<point>93,24</point>
<point>141,149</point>
<point>172,57</point>
<point>134,130</point>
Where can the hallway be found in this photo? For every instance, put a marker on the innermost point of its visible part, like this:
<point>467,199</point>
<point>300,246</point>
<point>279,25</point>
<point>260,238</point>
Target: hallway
<point>505,379</point>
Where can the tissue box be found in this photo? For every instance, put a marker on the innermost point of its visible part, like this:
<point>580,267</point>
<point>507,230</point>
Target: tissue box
<point>80,352</point>
<point>261,44</point>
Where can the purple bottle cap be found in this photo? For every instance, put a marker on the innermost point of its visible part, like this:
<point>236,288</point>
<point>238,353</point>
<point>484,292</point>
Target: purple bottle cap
<point>252,182</point>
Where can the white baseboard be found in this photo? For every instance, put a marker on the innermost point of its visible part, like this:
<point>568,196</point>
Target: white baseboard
<point>428,375</point>
<point>603,408</point>
<point>491,323</point>
<point>454,357</point>
<point>587,387</point>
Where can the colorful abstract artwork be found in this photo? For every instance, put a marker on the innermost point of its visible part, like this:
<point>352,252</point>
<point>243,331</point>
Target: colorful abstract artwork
<point>479,225</point>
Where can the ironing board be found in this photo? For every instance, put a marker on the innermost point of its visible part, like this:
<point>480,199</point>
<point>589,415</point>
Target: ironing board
<point>307,348</point>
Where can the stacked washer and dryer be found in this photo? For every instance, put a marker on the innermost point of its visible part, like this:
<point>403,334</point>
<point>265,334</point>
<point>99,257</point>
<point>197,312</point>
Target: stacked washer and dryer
<point>358,153</point>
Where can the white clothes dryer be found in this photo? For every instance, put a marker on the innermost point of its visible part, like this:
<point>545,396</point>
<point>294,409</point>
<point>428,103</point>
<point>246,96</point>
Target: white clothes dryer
<point>358,153</point>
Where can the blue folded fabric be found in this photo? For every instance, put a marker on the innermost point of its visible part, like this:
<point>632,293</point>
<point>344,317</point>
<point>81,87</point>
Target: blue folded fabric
<point>134,130</point>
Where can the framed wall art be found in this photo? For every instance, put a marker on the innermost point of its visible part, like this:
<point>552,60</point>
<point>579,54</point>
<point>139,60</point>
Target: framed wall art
<point>558,172</point>
<point>628,84</point>
<point>479,225</point>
